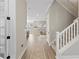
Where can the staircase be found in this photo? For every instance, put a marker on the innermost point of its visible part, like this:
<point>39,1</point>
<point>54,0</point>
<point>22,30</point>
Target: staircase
<point>66,39</point>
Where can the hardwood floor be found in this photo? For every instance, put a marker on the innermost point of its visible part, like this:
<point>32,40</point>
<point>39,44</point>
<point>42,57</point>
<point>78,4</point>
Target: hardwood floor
<point>38,49</point>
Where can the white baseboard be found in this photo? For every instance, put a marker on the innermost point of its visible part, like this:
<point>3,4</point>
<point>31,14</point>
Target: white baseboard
<point>22,53</point>
<point>69,57</point>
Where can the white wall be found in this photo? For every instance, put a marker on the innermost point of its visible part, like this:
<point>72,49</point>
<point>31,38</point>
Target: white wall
<point>59,19</point>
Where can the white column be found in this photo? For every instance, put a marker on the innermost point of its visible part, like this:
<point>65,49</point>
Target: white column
<point>78,8</point>
<point>48,31</point>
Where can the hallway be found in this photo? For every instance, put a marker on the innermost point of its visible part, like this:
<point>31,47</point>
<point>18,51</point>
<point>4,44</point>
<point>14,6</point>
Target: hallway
<point>38,49</point>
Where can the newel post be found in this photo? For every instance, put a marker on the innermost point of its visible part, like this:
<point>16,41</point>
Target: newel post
<point>57,45</point>
<point>77,22</point>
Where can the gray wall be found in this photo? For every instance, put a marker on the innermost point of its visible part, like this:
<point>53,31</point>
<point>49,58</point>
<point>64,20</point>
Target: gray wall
<point>20,26</point>
<point>59,19</point>
<point>78,8</point>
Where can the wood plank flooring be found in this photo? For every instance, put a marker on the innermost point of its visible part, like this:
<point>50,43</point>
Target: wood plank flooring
<point>38,49</point>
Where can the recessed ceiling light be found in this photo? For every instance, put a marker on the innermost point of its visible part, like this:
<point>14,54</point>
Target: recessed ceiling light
<point>37,15</point>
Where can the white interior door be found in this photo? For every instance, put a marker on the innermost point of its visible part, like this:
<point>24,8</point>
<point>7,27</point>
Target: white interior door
<point>3,17</point>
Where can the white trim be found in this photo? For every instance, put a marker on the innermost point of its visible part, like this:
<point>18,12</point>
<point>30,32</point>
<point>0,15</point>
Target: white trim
<point>12,29</point>
<point>22,54</point>
<point>48,34</point>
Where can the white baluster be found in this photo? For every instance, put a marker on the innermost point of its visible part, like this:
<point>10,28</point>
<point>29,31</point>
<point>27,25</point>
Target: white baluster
<point>66,37</point>
<point>57,45</point>
<point>63,39</point>
<point>57,40</point>
<point>76,22</point>
<point>60,41</point>
<point>74,30</point>
<point>69,34</point>
<point>77,27</point>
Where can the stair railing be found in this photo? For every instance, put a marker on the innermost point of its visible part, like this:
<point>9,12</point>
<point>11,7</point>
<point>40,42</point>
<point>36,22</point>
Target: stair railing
<point>67,35</point>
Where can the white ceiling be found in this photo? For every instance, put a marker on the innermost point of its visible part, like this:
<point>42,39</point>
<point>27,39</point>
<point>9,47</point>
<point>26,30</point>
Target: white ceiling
<point>37,8</point>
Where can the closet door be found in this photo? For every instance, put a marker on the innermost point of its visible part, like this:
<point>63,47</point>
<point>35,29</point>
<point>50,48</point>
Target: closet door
<point>3,17</point>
